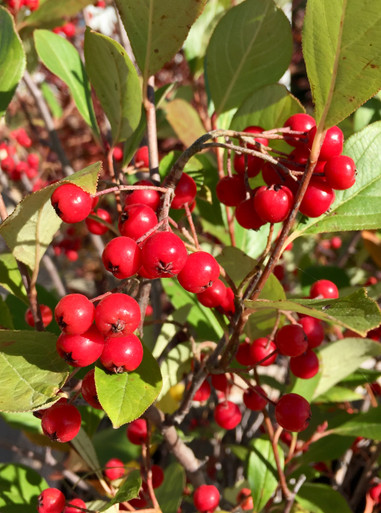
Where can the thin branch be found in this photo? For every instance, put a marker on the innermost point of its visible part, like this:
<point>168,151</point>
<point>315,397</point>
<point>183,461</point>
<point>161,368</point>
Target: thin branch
<point>149,105</point>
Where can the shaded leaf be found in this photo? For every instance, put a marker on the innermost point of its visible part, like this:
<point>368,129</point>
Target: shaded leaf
<point>126,396</point>
<point>85,448</point>
<point>12,59</point>
<point>10,277</point>
<point>338,395</point>
<point>19,488</point>
<point>321,498</point>
<point>31,371</point>
<point>62,59</point>
<point>344,71</point>
<point>23,421</point>
<point>328,448</point>
<point>50,13</point>
<point>170,493</point>
<point>236,263</point>
<point>184,120</point>
<point>250,47</point>
<point>116,83</point>
<point>109,442</point>
<point>368,424</point>
<point>6,321</point>
<point>30,228</point>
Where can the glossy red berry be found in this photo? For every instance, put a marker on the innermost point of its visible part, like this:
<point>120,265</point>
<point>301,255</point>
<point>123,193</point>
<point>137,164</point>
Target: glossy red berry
<point>324,288</point>
<point>117,153</point>
<point>117,314</point>
<point>96,227</point>
<point>255,398</point>
<point>291,340</point>
<point>81,350</point>
<point>314,330</point>
<point>89,391</point>
<point>243,161</point>
<point>206,498</point>
<point>273,203</point>
<point>122,257</point>
<point>142,157</point>
<point>114,469</point>
<point>299,123</point>
<point>227,307</point>
<point>214,295</point>
<point>51,500</point>
<point>247,216</point>
<point>375,493</point>
<point>227,415</point>
<point>220,382</point>
<point>261,349</point>
<point>75,506</point>
<point>293,412</point>
<point>69,29</point>
<point>74,314</point>
<point>71,203</point>
<point>163,255</point>
<point>306,365</point>
<point>203,392</point>
<point>147,197</point>
<point>200,271</point>
<point>254,129</point>
<point>318,198</point>
<point>231,190</point>
<point>136,220</point>
<point>46,314</point>
<point>61,422</point>
<point>137,432</point>
<point>185,192</point>
<point>122,353</point>
<point>33,160</point>
<point>157,476</point>
<point>243,355</point>
<point>8,165</point>
<point>340,172</point>
<point>271,174</point>
<point>332,144</point>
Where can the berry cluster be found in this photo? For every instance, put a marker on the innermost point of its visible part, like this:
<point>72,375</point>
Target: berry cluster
<point>16,5</point>
<point>15,161</point>
<point>52,500</point>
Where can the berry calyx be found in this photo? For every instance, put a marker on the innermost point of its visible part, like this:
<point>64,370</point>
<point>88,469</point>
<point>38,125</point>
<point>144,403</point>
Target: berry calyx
<point>61,422</point>
<point>227,415</point>
<point>163,255</point>
<point>291,340</point>
<point>51,500</point>
<point>122,353</point>
<point>293,412</point>
<point>122,257</point>
<point>74,314</point>
<point>137,432</point>
<point>117,314</point>
<point>206,498</point>
<point>200,271</point>
<point>71,203</point>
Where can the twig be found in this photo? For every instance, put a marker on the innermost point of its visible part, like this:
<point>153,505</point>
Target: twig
<point>115,179</point>
<point>149,105</point>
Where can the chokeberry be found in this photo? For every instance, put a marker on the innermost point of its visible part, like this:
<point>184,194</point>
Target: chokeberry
<point>97,227</point>
<point>273,203</point>
<point>324,288</point>
<point>163,255</point>
<point>185,191</point>
<point>206,498</point>
<point>81,350</point>
<point>137,432</point>
<point>255,398</point>
<point>117,314</point>
<point>213,295</point>
<point>227,415</point>
<point>74,314</point>
<point>136,220</point>
<point>263,349</point>
<point>340,172</point>
<point>75,506</point>
<point>89,391</point>
<point>114,469</point>
<point>231,190</point>
<point>200,271</point>
<point>71,203</point>
<point>46,314</point>
<point>61,422</point>
<point>306,365</point>
<point>51,500</point>
<point>332,144</point>
<point>293,412</point>
<point>122,257</point>
<point>122,353</point>
<point>291,340</point>
<point>318,198</point>
<point>314,330</point>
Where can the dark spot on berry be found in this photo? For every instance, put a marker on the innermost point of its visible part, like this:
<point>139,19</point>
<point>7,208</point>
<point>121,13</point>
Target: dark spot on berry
<point>61,323</point>
<point>68,357</point>
<point>164,267</point>
<point>118,327</point>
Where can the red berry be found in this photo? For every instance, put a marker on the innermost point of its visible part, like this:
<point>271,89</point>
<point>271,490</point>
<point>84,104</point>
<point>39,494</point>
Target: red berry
<point>61,422</point>
<point>314,330</point>
<point>71,203</point>
<point>214,295</point>
<point>51,500</point>
<point>375,493</point>
<point>231,190</point>
<point>332,144</point>
<point>22,138</point>
<point>163,255</point>
<point>122,257</point>
<point>253,164</point>
<point>336,243</point>
<point>137,432</point>
<point>136,220</point>
<point>117,153</point>
<point>203,392</point>
<point>206,498</point>
<point>147,197</point>
<point>200,271</point>
<point>117,314</point>
<point>245,499</point>
<point>340,172</point>
<point>81,350</point>
<point>325,288</point>
<point>247,216</point>
<point>185,192</point>
<point>256,130</point>
<point>122,353</point>
<point>273,203</point>
<point>157,476</point>
<point>255,398</point>
<point>227,307</point>
<point>291,340</point>
<point>75,506</point>
<point>270,174</point>
<point>227,415</point>
<point>299,123</point>
<point>89,391</point>
<point>46,314</point>
<point>8,165</point>
<point>114,469</point>
<point>243,355</point>
<point>96,227</point>
<point>293,412</point>
<point>142,157</point>
<point>261,348</point>
<point>305,366</point>
<point>220,382</point>
<point>74,314</point>
<point>318,198</point>
<point>68,29</point>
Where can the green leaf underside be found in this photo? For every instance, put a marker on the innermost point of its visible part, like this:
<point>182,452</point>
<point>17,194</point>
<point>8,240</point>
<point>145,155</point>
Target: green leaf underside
<point>85,448</point>
<point>20,486</point>
<point>128,490</point>
<point>356,311</point>
<point>148,24</point>
<point>184,120</point>
<point>250,47</point>
<point>51,12</point>
<point>262,474</point>
<point>31,371</point>
<point>170,493</point>
<point>12,59</point>
<point>62,59</point>
<point>341,41</point>
<point>321,498</point>
<point>126,396</point>
<point>116,83</point>
<point>30,228</point>
<point>357,208</point>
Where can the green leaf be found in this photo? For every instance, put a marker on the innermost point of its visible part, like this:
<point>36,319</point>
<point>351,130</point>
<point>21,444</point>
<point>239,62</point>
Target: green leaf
<point>10,277</point>
<point>305,387</point>
<point>51,13</point>
<point>250,47</point>
<point>12,59</point>
<point>148,24</point>
<point>184,120</point>
<point>328,448</point>
<point>62,59</point>
<point>236,263</point>
<point>51,100</point>
<point>126,396</point>
<point>261,472</point>
<point>30,228</point>
<point>170,493</point>
<point>369,113</point>
<point>339,359</point>
<point>361,376</point>
<point>85,448</point>
<point>338,395</point>
<point>175,365</point>
<point>128,490</point>
<point>24,421</point>
<point>116,83</point>
<point>31,372</point>
<point>6,321</point>
<point>321,498</point>
<point>19,488</point>
<point>356,311</point>
<point>367,424</point>
<point>344,71</point>
<point>109,442</point>
<point>359,207</point>
<point>91,417</point>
